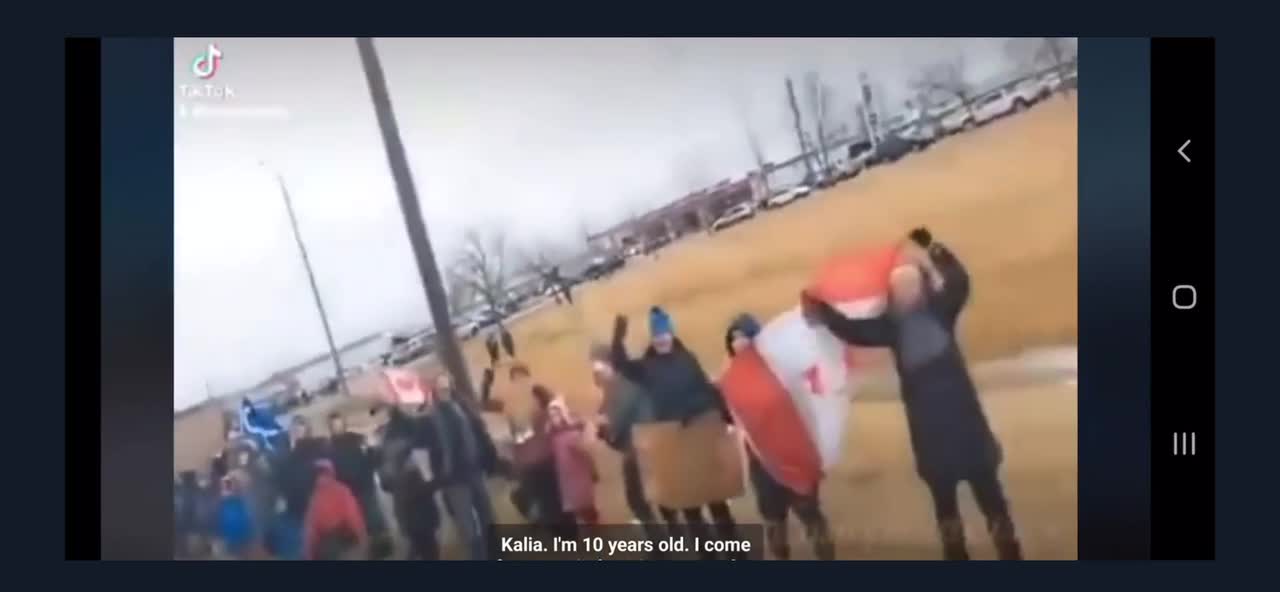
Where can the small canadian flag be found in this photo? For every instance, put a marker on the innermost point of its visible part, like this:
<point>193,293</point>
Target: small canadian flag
<point>404,387</point>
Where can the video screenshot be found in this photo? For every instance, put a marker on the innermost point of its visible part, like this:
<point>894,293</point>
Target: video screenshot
<point>673,299</point>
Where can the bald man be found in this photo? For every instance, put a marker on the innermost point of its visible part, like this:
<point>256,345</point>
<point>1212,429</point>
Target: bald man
<point>950,436</point>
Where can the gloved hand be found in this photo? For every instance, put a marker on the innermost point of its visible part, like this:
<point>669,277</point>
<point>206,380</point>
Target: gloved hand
<point>812,308</point>
<point>921,236</point>
<point>619,328</point>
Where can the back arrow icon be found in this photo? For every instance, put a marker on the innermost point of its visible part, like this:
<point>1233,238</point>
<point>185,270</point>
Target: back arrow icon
<point>1184,154</point>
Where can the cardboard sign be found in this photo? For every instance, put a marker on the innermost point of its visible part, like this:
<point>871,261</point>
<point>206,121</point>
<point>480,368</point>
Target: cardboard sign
<point>689,466</point>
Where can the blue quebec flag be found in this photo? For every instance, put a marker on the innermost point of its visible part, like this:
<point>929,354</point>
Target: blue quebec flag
<point>260,424</point>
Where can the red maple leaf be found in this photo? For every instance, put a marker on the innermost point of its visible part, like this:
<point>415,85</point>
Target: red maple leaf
<point>813,376</point>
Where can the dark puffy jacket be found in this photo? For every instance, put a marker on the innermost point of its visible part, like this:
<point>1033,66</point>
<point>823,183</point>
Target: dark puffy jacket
<point>186,502</point>
<point>464,446</point>
<point>297,474</point>
<point>949,431</point>
<point>413,496</point>
<point>679,388</point>
<point>352,460</point>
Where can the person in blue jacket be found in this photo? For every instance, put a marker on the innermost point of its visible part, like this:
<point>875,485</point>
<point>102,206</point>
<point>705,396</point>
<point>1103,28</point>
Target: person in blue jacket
<point>234,521</point>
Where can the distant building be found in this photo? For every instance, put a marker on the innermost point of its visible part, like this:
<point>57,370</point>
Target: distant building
<point>691,213</point>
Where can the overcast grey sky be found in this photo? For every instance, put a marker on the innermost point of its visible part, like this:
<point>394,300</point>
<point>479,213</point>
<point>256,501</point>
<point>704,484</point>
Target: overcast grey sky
<point>533,137</point>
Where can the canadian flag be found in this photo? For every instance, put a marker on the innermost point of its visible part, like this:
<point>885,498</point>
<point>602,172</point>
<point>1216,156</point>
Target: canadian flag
<point>790,392</point>
<point>404,387</point>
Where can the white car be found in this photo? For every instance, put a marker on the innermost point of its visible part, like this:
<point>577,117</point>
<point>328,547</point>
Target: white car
<point>1050,82</point>
<point>988,107</point>
<point>956,119</point>
<point>467,328</point>
<point>735,215</point>
<point>921,134</point>
<point>783,198</point>
<point>1003,102</point>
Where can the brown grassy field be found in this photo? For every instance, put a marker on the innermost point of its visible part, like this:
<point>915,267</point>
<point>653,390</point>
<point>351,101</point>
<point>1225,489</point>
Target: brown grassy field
<point>1003,197</point>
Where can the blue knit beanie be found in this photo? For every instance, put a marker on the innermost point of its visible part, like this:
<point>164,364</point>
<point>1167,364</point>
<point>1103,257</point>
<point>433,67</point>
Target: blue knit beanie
<point>660,323</point>
<point>746,323</point>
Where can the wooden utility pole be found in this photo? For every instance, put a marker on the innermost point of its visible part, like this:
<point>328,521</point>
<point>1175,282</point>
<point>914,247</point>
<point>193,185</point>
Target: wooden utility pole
<point>432,283</point>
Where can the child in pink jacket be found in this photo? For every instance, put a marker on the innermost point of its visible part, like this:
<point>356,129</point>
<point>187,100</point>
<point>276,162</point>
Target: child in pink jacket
<point>575,468</point>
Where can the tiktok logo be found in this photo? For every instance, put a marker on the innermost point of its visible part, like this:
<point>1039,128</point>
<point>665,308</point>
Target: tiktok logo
<point>206,64</point>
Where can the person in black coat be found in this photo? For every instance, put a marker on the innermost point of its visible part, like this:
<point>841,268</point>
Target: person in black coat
<point>186,508</point>
<point>468,456</point>
<point>680,391</point>
<point>950,436</point>
<point>295,473</point>
<point>412,491</point>
<point>354,463</point>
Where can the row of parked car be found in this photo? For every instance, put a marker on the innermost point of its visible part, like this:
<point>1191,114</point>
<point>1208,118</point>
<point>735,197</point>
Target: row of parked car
<point>908,133</point>
<point>921,129</point>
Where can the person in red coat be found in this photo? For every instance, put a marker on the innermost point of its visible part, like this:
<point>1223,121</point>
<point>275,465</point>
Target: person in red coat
<point>334,526</point>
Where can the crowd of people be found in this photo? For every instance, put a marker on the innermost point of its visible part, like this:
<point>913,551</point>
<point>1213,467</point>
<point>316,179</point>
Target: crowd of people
<point>298,495</point>
<point>288,495</point>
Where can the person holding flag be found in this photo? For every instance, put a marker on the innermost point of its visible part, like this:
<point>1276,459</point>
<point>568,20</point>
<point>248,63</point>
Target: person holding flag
<point>950,436</point>
<point>774,499</point>
<point>260,425</point>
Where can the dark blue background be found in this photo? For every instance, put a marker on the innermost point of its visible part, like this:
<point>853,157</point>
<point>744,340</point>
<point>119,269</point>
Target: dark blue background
<point>1115,296</point>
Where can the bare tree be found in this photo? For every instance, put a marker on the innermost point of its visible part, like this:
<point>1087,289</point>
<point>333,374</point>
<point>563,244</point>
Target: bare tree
<point>798,123</point>
<point>539,257</point>
<point>1036,53</point>
<point>819,100</point>
<point>947,79</point>
<point>757,157</point>
<point>1041,52</point>
<point>458,291</point>
<point>481,266</point>
<point>757,151</point>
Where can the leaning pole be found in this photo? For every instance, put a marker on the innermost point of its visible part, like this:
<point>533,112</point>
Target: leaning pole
<point>447,342</point>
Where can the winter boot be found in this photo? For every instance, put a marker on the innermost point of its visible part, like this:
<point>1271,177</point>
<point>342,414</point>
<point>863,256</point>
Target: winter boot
<point>1005,538</point>
<point>823,547</point>
<point>953,547</point>
<point>775,533</point>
